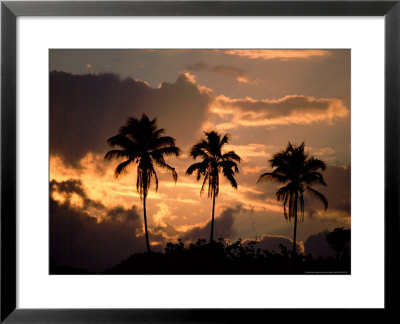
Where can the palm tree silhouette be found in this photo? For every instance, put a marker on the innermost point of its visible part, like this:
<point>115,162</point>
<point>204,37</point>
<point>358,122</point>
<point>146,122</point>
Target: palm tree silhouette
<point>142,143</point>
<point>295,168</point>
<point>214,161</point>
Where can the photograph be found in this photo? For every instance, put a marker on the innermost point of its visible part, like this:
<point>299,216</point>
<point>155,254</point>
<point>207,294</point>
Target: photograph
<point>222,161</point>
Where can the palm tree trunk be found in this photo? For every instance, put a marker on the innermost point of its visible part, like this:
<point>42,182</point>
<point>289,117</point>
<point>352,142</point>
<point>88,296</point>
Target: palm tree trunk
<point>295,222</point>
<point>145,224</point>
<point>212,218</point>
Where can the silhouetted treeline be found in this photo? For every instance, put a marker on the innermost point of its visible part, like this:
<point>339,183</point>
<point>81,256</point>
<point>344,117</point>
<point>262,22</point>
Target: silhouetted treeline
<point>222,257</point>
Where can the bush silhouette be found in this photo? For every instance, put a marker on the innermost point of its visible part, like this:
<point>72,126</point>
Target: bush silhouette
<point>225,257</point>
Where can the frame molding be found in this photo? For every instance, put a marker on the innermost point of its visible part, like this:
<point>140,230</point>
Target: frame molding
<point>10,10</point>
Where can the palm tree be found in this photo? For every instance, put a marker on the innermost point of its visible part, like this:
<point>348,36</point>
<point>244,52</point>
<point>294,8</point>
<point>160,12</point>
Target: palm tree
<point>142,143</point>
<point>214,161</point>
<point>294,168</point>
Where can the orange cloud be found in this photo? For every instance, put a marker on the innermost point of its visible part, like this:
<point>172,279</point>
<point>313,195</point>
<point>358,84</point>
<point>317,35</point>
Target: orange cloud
<point>328,154</point>
<point>332,215</point>
<point>291,109</point>
<point>279,54</point>
<point>250,150</point>
<point>177,208</point>
<point>324,151</point>
<point>98,177</point>
<point>240,75</point>
<point>253,170</point>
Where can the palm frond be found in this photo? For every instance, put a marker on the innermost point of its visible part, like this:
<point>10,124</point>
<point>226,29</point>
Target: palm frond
<point>157,134</point>
<point>313,164</point>
<point>280,160</point>
<point>152,172</point>
<point>206,176</point>
<point>116,154</point>
<point>227,164</point>
<point>213,185</point>
<point>200,149</point>
<point>199,166</point>
<point>282,193</point>
<point>285,203</point>
<point>318,195</point>
<point>165,151</point>
<point>131,124</point>
<point>291,206</point>
<point>166,166</point>
<point>228,173</point>
<point>122,141</point>
<point>301,198</point>
<point>231,156</point>
<point>144,180</point>
<point>122,168</point>
<point>213,143</point>
<point>272,177</point>
<point>165,141</point>
<point>225,139</point>
<point>313,178</point>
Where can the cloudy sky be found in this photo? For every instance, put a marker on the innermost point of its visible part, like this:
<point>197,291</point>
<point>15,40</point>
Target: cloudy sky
<point>262,98</point>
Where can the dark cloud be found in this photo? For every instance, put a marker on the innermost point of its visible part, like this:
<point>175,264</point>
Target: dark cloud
<point>318,246</point>
<point>86,110</point>
<point>223,227</point>
<point>68,187</point>
<point>166,229</point>
<point>227,70</point>
<point>272,243</point>
<point>78,240</point>
<point>72,186</point>
<point>337,191</point>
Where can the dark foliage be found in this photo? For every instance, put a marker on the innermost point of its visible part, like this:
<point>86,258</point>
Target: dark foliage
<point>222,257</point>
<point>339,240</point>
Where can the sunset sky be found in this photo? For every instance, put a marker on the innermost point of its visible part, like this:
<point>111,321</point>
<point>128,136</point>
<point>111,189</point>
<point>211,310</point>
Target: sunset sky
<point>261,98</point>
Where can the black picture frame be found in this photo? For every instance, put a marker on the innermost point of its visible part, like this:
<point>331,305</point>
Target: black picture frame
<point>10,10</point>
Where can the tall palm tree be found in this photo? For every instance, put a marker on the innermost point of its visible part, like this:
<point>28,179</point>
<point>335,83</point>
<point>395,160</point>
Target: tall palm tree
<point>143,144</point>
<point>214,162</point>
<point>298,171</point>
